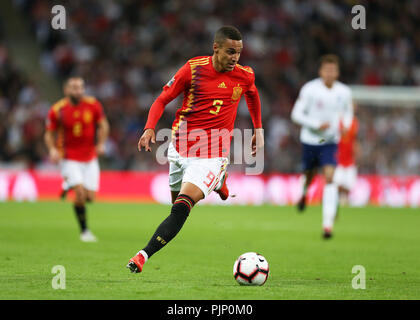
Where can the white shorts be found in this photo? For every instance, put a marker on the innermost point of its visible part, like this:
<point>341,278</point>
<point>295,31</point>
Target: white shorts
<point>206,174</point>
<point>79,172</point>
<point>345,176</point>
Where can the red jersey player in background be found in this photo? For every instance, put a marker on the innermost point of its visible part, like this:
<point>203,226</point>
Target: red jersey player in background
<point>212,87</point>
<point>346,172</point>
<point>82,129</point>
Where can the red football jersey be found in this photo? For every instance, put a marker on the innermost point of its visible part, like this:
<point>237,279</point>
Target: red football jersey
<point>76,125</point>
<point>345,151</point>
<point>203,124</point>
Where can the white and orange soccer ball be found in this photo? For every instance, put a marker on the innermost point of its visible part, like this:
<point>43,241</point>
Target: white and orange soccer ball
<point>251,269</point>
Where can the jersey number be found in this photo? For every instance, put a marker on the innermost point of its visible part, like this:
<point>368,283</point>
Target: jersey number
<point>218,104</point>
<point>210,178</point>
<point>77,129</point>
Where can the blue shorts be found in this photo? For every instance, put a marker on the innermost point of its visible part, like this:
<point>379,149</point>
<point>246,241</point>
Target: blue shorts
<point>318,156</point>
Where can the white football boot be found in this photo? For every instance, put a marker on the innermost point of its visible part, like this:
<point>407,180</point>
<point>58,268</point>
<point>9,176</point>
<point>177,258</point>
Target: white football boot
<point>87,236</point>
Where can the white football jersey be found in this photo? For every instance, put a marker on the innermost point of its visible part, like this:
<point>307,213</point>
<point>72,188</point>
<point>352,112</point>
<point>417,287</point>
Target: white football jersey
<point>318,104</point>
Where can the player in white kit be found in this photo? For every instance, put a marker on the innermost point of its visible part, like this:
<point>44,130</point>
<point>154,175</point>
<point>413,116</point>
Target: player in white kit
<point>323,106</point>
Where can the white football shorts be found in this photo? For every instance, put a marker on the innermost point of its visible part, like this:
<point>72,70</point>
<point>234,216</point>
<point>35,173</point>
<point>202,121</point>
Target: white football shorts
<point>345,176</point>
<point>207,174</point>
<point>80,172</point>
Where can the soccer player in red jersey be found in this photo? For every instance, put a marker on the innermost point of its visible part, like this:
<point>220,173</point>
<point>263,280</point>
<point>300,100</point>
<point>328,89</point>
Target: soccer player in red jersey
<point>76,132</point>
<point>201,132</point>
<point>345,174</point>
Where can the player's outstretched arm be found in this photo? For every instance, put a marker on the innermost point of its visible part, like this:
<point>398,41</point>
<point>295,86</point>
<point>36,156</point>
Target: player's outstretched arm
<point>53,152</point>
<point>146,138</point>
<point>102,133</point>
<point>254,106</point>
<point>257,141</point>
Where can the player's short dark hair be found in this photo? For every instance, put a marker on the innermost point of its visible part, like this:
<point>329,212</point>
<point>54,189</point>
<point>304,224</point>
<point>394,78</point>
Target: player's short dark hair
<point>329,58</point>
<point>227,32</point>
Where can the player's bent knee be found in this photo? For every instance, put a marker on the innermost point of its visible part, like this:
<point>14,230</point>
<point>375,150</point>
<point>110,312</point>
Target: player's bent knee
<point>328,172</point>
<point>192,191</point>
<point>80,194</point>
<point>90,196</point>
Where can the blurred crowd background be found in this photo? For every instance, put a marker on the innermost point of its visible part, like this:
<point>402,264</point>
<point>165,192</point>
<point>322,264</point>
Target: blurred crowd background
<point>127,50</point>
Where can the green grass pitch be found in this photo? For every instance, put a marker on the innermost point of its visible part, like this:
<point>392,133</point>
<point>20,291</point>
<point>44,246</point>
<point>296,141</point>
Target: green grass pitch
<point>198,263</point>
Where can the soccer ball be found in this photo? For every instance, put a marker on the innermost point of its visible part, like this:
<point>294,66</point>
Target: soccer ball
<point>251,269</point>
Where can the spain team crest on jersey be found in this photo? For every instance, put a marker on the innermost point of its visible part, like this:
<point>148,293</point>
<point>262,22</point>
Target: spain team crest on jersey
<point>87,116</point>
<point>237,92</point>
